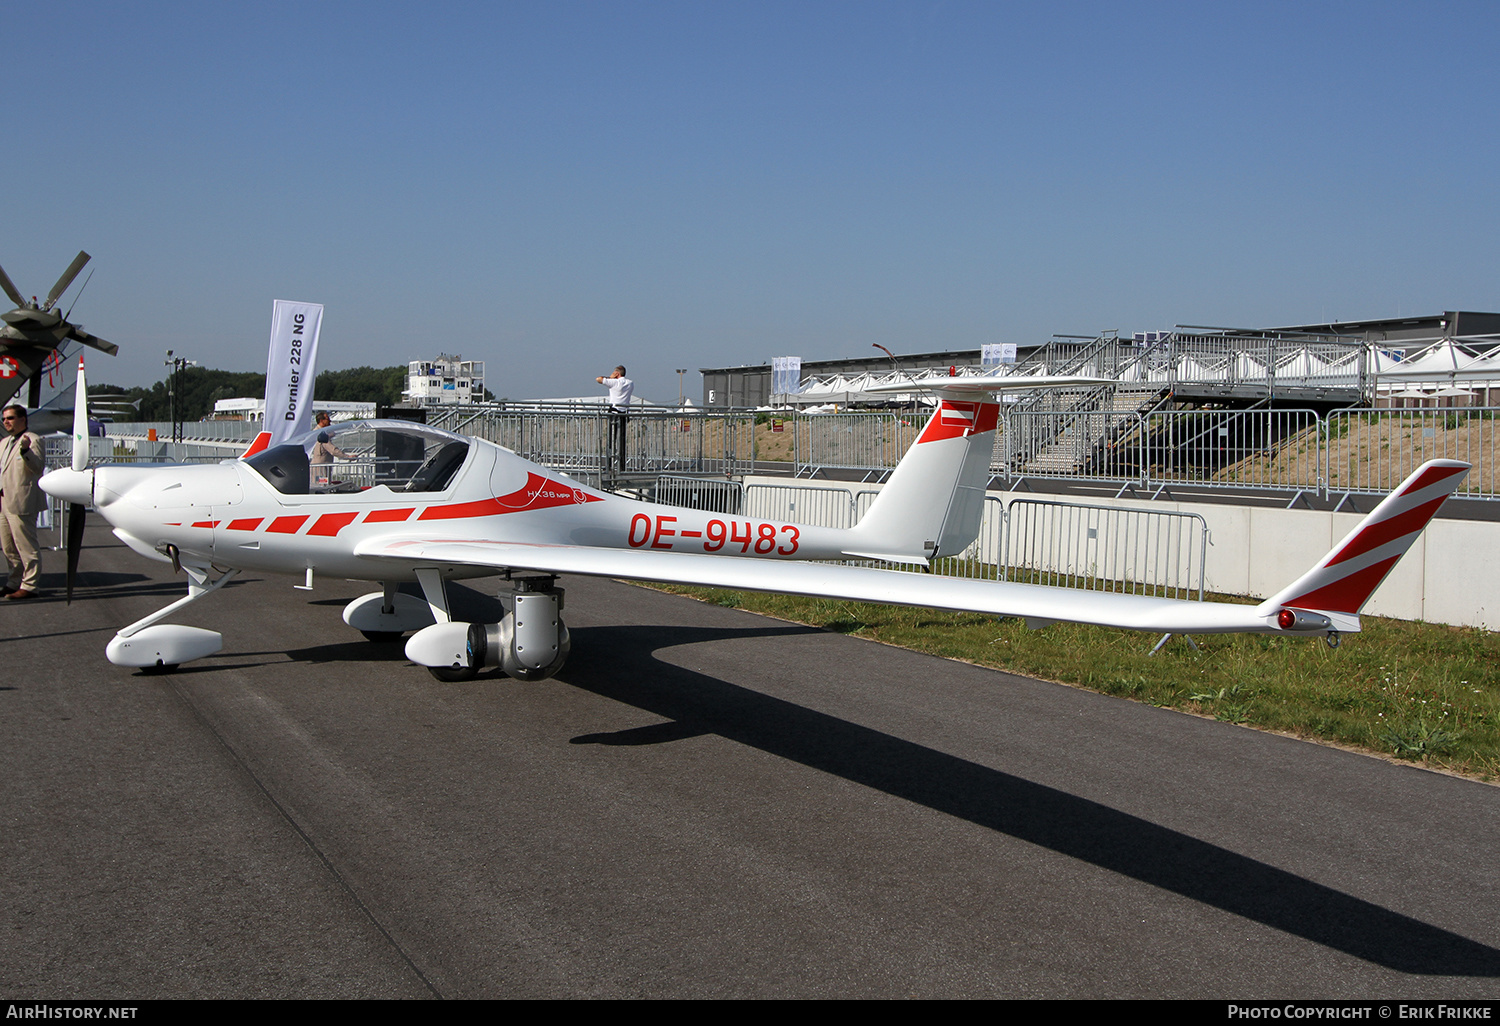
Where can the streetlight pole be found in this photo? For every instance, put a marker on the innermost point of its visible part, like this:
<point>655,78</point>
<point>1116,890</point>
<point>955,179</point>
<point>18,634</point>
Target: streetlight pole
<point>175,363</point>
<point>172,393</point>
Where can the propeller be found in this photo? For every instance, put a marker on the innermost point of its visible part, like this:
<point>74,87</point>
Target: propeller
<point>77,511</point>
<point>10,289</point>
<point>66,279</point>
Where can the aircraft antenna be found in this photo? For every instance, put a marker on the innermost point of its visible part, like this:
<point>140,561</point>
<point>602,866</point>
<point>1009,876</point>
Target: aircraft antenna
<point>69,315</point>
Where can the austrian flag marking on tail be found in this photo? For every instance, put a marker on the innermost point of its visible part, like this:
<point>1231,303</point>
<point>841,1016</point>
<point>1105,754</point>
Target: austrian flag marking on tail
<point>957,418</point>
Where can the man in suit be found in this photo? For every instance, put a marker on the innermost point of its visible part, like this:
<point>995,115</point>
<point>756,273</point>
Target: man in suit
<point>22,460</point>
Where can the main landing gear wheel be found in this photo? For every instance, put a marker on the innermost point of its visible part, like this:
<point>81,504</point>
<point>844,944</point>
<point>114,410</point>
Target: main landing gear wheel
<point>453,674</point>
<point>159,670</point>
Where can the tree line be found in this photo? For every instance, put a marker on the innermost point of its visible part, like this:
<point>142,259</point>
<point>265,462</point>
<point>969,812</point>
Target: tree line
<point>198,388</point>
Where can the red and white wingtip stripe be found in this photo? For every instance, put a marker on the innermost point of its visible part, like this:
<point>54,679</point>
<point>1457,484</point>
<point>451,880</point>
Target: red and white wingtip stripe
<point>1346,578</point>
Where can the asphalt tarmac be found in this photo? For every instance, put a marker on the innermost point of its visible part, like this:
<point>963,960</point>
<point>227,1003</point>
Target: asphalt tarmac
<point>705,803</point>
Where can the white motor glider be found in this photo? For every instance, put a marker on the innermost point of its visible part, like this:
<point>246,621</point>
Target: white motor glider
<point>392,502</point>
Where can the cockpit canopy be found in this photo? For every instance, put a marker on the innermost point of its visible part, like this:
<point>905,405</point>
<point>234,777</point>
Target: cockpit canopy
<point>360,454</point>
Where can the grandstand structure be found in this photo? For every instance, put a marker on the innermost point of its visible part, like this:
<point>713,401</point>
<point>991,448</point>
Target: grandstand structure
<point>1157,379</point>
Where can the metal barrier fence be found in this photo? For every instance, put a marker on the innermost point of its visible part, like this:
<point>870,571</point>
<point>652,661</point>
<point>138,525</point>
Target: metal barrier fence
<point>809,505</point>
<point>194,430</point>
<point>1257,448</point>
<point>1347,451</point>
<point>577,439</point>
<point>1101,548</point>
<point>701,493</point>
<point>1105,548</point>
<point>1375,450</point>
<point>855,441</point>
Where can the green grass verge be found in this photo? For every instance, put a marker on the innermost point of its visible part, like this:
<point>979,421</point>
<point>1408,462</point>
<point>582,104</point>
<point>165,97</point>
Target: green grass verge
<point>1415,691</point>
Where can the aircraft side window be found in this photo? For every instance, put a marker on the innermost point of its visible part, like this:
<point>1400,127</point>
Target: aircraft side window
<point>285,466</point>
<point>436,474</point>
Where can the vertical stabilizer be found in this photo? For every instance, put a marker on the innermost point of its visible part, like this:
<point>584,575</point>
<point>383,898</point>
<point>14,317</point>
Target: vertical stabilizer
<point>933,502</point>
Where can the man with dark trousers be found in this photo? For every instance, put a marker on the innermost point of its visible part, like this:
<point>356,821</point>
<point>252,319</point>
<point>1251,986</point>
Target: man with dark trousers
<point>620,389</point>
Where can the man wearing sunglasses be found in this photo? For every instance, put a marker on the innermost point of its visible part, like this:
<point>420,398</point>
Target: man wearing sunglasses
<point>22,460</point>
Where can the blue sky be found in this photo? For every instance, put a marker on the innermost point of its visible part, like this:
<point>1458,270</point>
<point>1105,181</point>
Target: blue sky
<point>556,187</point>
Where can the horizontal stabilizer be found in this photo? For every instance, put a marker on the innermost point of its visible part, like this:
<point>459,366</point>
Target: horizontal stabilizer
<point>973,387</point>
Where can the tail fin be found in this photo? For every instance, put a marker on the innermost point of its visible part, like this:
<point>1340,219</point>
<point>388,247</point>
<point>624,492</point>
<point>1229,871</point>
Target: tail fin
<point>1344,579</point>
<point>262,441</point>
<point>950,459</point>
<point>909,520</point>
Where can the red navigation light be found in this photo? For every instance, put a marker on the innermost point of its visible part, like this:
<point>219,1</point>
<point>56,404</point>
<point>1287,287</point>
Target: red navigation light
<point>1285,619</point>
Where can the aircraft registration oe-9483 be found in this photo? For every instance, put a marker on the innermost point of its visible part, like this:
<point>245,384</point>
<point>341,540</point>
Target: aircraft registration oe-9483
<point>392,502</point>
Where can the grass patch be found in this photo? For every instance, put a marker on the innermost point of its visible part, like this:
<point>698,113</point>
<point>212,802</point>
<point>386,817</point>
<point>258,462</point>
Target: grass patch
<point>1422,692</point>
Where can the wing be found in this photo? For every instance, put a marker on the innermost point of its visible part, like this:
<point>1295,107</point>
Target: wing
<point>1327,597</point>
<point>823,580</point>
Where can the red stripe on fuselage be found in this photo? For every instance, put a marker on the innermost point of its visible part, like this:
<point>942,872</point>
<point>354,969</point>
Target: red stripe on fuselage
<point>330,524</point>
<point>286,525</point>
<point>538,493</point>
<point>387,516</point>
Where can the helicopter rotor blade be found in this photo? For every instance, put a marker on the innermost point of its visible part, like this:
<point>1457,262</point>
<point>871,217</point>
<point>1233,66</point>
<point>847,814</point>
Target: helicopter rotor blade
<point>66,279</point>
<point>79,335</point>
<point>10,289</point>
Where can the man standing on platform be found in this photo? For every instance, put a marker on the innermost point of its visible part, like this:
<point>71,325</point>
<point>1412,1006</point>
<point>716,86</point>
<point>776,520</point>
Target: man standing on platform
<point>620,390</point>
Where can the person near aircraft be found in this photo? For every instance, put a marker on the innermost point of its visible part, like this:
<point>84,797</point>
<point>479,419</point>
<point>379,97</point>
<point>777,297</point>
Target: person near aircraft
<point>23,457</point>
<point>621,389</point>
<point>324,452</point>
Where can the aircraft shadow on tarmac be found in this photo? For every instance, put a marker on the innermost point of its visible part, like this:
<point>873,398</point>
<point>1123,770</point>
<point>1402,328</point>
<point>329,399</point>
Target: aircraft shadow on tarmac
<point>1077,827</point>
<point>619,663</point>
<point>92,584</point>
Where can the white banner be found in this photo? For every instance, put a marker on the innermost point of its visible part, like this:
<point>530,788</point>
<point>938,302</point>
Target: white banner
<point>786,375</point>
<point>993,354</point>
<point>290,368</point>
